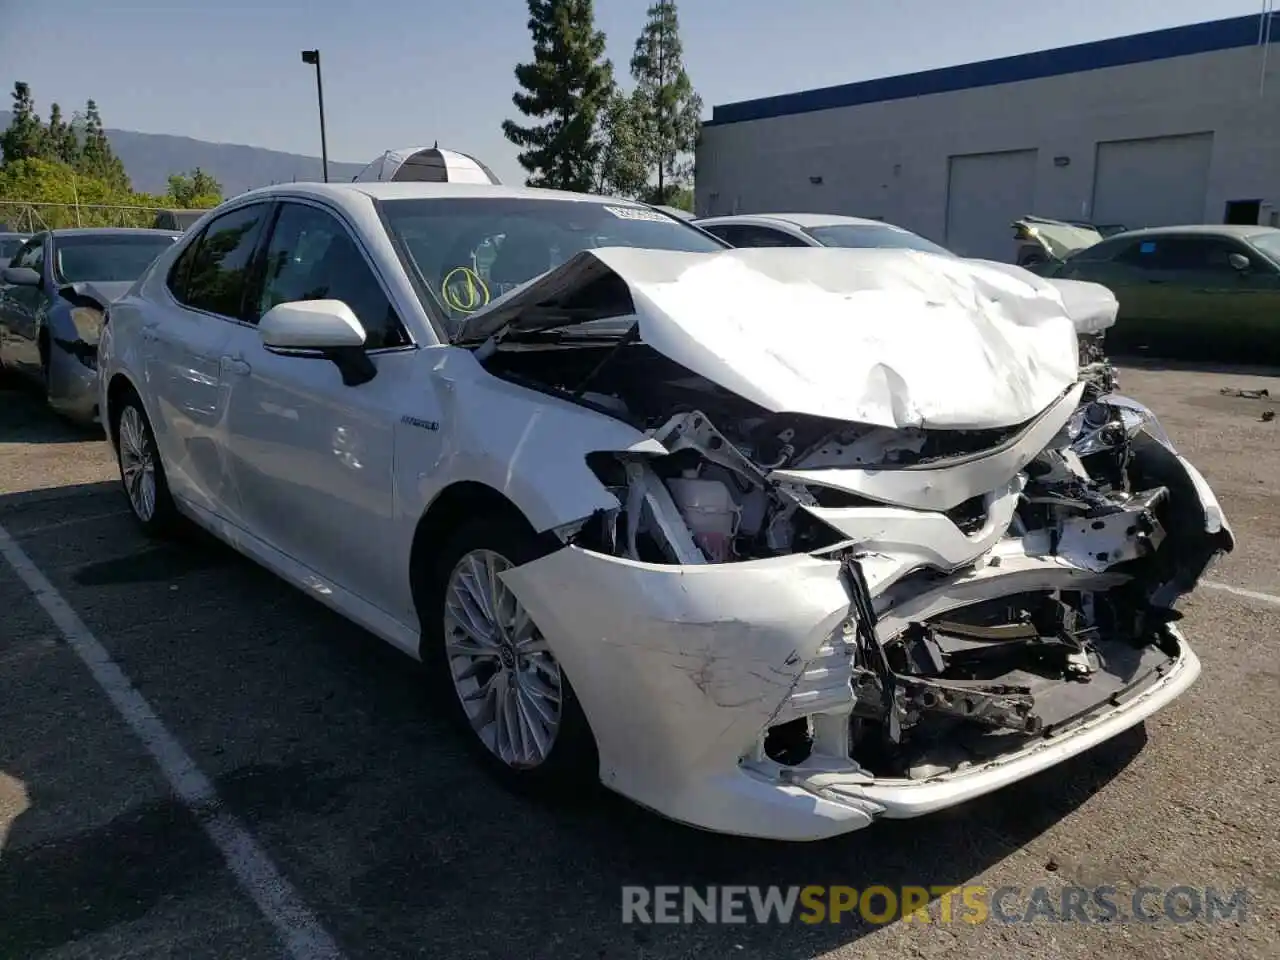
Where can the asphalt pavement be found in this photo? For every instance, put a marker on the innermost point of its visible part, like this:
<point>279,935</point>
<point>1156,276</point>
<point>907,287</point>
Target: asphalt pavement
<point>331,803</point>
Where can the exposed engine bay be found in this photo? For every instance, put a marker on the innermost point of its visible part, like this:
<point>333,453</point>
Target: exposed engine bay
<point>918,681</point>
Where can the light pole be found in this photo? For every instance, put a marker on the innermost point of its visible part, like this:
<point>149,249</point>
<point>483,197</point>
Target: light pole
<point>313,57</point>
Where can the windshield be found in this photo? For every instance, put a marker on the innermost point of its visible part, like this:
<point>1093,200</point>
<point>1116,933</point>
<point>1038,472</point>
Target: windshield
<point>1268,243</point>
<point>869,235</point>
<point>102,258</point>
<point>470,251</point>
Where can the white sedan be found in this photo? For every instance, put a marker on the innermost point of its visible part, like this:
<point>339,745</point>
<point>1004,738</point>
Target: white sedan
<point>773,542</point>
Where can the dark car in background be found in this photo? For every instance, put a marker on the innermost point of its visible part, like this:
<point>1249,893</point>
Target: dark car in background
<point>1202,292</point>
<point>53,295</point>
<point>176,219</point>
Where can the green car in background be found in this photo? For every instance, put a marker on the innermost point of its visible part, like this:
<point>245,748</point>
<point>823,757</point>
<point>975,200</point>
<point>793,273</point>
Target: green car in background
<point>1207,292</point>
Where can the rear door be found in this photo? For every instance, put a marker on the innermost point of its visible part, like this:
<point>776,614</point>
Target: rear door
<point>185,341</point>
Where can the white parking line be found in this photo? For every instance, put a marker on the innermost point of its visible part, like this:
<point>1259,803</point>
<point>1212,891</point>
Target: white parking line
<point>303,936</point>
<point>1267,598</point>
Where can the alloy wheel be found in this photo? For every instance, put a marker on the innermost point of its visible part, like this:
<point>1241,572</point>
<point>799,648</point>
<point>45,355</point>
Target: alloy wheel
<point>137,463</point>
<point>503,672</point>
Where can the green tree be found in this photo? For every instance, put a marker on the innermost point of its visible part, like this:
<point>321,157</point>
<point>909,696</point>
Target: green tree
<point>24,139</point>
<point>673,111</point>
<point>567,87</point>
<point>61,144</point>
<point>194,191</point>
<point>624,169</point>
<point>96,157</point>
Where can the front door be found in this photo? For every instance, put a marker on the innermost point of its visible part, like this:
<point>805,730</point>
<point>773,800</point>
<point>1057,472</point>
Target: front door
<point>312,457</point>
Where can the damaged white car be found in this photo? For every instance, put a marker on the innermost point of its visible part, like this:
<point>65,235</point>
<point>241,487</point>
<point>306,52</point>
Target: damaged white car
<point>775,542</point>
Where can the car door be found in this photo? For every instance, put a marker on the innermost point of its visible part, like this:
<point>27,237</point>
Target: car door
<point>1227,297</point>
<point>312,457</point>
<point>184,343</point>
<point>20,309</point>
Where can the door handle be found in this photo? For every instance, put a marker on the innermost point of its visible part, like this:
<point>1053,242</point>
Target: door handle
<point>149,332</point>
<point>235,365</point>
<point>1158,281</point>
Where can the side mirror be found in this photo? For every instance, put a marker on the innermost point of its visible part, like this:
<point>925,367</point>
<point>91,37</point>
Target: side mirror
<point>1238,261</point>
<point>20,276</point>
<point>319,328</point>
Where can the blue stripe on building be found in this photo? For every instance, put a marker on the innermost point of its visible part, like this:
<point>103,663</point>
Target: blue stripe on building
<point>1117,52</point>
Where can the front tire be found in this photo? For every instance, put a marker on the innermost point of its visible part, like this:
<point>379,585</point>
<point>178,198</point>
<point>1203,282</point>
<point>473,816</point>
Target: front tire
<point>492,667</point>
<point>141,472</point>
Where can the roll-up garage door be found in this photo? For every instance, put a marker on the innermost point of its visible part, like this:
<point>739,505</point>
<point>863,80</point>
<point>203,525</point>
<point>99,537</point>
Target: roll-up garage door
<point>986,192</point>
<point>1156,182</point>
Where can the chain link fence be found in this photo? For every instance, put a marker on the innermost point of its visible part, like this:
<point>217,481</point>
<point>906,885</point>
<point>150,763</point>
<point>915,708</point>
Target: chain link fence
<point>22,217</point>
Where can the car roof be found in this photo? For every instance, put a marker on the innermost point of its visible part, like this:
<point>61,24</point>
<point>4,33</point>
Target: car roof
<point>1242,231</point>
<point>111,232</point>
<point>414,190</point>
<point>793,219</point>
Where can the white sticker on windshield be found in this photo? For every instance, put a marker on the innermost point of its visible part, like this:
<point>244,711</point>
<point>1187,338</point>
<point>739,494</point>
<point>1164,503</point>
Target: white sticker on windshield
<point>638,213</point>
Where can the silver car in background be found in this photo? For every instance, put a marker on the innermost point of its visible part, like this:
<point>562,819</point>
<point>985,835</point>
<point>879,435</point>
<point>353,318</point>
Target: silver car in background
<point>54,293</point>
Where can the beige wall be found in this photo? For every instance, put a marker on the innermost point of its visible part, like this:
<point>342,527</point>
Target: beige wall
<point>889,159</point>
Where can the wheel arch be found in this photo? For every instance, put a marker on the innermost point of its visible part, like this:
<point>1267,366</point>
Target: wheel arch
<point>452,507</point>
<point>119,387</point>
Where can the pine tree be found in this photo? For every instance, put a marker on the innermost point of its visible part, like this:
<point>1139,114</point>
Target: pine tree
<point>673,111</point>
<point>25,137</point>
<point>60,142</point>
<point>96,157</point>
<point>567,86</point>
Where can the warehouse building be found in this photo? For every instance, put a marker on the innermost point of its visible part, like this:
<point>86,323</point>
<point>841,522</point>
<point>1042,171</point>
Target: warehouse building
<point>1171,127</point>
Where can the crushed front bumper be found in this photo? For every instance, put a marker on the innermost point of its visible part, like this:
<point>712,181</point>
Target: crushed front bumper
<point>681,669</point>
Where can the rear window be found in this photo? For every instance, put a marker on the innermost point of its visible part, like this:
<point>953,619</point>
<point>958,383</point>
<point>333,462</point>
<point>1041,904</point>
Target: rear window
<point>106,259</point>
<point>866,235</point>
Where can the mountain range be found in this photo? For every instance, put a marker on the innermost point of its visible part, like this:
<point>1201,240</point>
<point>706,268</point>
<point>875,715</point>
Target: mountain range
<point>149,159</point>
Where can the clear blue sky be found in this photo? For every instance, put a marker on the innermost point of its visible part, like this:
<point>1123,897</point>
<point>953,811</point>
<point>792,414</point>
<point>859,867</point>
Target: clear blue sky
<point>407,72</point>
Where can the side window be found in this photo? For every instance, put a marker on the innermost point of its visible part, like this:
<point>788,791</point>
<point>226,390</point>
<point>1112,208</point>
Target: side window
<point>311,256</point>
<point>764,237</point>
<point>1201,254</point>
<point>181,270</point>
<point>217,275</point>
<point>1142,254</point>
<point>31,256</point>
<point>726,232</point>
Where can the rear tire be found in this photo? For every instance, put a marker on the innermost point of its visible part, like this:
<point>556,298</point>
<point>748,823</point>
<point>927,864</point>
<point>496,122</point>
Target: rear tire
<point>498,679</point>
<point>141,472</point>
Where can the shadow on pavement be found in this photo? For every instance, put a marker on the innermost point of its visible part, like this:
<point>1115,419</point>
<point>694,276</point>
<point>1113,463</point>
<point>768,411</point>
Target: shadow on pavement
<point>391,834</point>
<point>28,419</point>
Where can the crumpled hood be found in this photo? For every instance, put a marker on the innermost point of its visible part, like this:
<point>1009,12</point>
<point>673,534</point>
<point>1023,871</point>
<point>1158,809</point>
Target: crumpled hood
<point>97,295</point>
<point>892,338</point>
<point>1092,307</point>
<point>101,292</point>
<point>1058,239</point>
